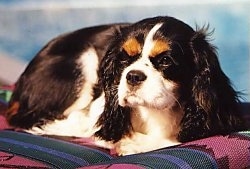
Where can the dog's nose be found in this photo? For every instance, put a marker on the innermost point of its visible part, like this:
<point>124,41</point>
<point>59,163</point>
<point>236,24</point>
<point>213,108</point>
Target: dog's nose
<point>135,77</point>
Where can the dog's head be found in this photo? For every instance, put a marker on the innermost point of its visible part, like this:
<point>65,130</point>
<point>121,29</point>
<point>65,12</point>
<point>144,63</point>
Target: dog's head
<point>163,63</point>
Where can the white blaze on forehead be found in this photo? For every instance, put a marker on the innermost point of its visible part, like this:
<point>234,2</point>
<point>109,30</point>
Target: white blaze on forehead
<point>149,42</point>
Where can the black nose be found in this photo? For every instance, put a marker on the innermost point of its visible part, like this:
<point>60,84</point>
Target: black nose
<point>135,77</point>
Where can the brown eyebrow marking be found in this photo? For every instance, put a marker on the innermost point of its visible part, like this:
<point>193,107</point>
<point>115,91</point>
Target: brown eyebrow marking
<point>159,47</point>
<point>132,47</point>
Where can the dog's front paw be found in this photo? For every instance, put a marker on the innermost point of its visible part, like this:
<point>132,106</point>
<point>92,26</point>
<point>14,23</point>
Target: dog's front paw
<point>139,143</point>
<point>128,146</point>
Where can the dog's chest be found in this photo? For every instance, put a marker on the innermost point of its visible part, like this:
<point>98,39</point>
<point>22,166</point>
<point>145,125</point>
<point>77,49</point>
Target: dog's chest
<point>162,123</point>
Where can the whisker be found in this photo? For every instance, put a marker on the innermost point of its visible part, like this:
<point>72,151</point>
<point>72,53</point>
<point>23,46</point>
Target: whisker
<point>176,100</point>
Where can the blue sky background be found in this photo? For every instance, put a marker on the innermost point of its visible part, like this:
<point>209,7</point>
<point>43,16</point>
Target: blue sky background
<point>27,25</point>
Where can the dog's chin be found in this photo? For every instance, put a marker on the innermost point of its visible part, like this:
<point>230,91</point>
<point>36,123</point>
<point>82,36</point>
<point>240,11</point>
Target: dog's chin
<point>134,101</point>
<point>131,101</point>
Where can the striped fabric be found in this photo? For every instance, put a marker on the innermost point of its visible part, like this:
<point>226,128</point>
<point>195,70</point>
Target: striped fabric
<point>225,152</point>
<point>231,151</point>
<point>52,152</point>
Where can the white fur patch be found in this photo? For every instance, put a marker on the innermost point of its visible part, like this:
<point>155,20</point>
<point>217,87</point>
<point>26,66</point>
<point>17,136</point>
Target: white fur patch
<point>88,62</point>
<point>80,123</point>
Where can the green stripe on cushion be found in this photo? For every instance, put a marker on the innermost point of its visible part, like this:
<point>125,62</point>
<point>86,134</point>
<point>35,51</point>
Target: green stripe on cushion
<point>169,158</point>
<point>50,156</point>
<point>51,151</point>
<point>141,160</point>
<point>192,158</point>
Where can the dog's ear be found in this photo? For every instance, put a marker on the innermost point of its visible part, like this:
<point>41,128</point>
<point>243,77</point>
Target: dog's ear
<point>208,77</point>
<point>213,106</point>
<point>114,122</point>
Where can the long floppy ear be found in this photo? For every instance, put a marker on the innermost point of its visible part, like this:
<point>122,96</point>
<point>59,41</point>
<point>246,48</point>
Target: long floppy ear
<point>114,122</point>
<point>213,106</point>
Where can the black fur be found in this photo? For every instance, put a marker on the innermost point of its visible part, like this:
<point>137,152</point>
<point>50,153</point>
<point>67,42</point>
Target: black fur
<point>214,105</point>
<point>115,120</point>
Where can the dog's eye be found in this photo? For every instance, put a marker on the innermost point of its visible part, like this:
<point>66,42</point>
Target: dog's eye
<point>165,62</point>
<point>125,58</point>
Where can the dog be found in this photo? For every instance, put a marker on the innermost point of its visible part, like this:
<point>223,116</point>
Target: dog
<point>138,87</point>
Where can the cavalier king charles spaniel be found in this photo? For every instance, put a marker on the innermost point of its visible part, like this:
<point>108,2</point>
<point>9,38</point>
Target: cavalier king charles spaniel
<point>136,87</point>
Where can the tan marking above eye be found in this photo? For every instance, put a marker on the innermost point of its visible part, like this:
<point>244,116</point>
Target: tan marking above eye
<point>159,47</point>
<point>132,47</point>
